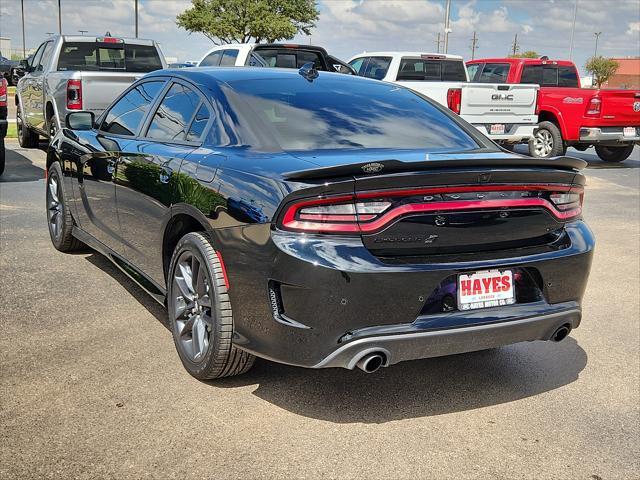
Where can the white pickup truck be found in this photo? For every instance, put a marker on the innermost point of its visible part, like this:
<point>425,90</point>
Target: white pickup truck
<point>505,113</point>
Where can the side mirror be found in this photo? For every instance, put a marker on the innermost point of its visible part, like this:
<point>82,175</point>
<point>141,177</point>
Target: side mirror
<point>23,64</point>
<point>80,120</point>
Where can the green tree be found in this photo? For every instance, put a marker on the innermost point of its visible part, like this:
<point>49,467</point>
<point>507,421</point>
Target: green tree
<point>602,69</point>
<point>527,54</point>
<point>241,21</point>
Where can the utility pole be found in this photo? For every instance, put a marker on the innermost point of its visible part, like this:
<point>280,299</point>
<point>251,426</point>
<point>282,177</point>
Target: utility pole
<point>24,47</point>
<point>573,29</point>
<point>516,47</point>
<point>438,43</point>
<point>59,17</point>
<point>136,5</point>
<point>597,34</point>
<point>474,45</point>
<point>447,28</point>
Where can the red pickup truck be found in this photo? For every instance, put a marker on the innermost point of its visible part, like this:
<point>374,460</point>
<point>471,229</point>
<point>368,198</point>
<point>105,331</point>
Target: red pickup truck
<point>569,116</point>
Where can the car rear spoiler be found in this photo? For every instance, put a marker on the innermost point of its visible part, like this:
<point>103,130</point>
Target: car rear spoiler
<point>436,161</point>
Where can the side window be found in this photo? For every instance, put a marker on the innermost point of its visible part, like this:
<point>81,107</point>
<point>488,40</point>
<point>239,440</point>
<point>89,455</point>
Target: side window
<point>125,116</point>
<point>532,74</point>
<point>550,77</point>
<point>198,124</point>
<point>567,77</point>
<point>38,56</point>
<point>472,70</point>
<point>211,60</point>
<point>46,56</point>
<point>229,57</point>
<point>172,118</point>
<point>358,64</point>
<point>417,69</point>
<point>308,57</point>
<point>494,73</point>
<point>453,71</point>
<point>376,68</point>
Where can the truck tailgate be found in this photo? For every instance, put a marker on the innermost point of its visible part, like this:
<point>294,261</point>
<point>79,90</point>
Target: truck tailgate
<point>498,103</point>
<point>618,106</point>
<point>99,89</point>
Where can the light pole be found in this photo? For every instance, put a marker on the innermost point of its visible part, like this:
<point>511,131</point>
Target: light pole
<point>597,34</point>
<point>59,17</point>
<point>573,29</point>
<point>24,47</point>
<point>447,27</point>
<point>136,7</point>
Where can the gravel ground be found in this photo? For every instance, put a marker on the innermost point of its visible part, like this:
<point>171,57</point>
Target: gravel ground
<point>91,386</point>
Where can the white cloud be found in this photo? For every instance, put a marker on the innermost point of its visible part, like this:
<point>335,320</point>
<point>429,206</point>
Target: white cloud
<point>634,29</point>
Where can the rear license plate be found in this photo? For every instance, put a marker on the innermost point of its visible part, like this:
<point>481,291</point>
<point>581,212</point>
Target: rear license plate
<point>497,129</point>
<point>491,288</point>
<point>629,131</point>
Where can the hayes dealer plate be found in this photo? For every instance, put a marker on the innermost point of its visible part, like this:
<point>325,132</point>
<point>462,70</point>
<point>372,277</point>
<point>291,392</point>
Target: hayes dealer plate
<point>491,288</point>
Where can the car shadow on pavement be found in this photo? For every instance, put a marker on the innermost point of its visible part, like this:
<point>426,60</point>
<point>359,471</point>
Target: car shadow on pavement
<point>418,388</point>
<point>19,168</point>
<point>142,297</point>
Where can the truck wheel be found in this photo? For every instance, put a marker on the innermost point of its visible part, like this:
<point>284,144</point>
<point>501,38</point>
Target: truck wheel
<point>547,142</point>
<point>614,154</point>
<point>200,311</point>
<point>26,138</point>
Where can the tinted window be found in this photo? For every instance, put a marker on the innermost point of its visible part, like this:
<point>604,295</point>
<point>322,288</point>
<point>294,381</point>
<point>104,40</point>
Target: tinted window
<point>532,74</point>
<point>549,76</point>
<point>472,70</point>
<point>567,77</point>
<point>288,58</point>
<point>125,116</point>
<point>338,113</point>
<point>376,67</point>
<point>211,60</point>
<point>108,56</point>
<point>357,64</point>
<point>229,57</point>
<point>418,69</point>
<point>198,124</point>
<point>172,118</point>
<point>493,73</point>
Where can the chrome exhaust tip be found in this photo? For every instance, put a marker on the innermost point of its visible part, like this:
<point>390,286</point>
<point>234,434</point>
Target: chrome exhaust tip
<point>561,333</point>
<point>371,362</point>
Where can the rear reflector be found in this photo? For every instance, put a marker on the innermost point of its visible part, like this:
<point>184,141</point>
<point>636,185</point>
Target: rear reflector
<point>454,99</point>
<point>74,94</point>
<point>368,212</point>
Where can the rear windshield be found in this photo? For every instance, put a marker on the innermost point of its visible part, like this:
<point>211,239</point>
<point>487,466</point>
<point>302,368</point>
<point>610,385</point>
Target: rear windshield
<point>289,58</point>
<point>120,57</point>
<point>340,113</point>
<point>492,73</point>
<point>418,69</point>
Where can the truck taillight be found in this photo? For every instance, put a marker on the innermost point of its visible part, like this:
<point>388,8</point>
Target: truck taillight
<point>3,92</point>
<point>593,107</point>
<point>454,99</point>
<point>537,103</point>
<point>74,94</point>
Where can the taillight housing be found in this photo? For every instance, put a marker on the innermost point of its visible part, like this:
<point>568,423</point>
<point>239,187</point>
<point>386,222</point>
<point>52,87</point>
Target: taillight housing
<point>3,92</point>
<point>74,94</point>
<point>537,110</point>
<point>370,212</point>
<point>454,99</point>
<point>593,107</point>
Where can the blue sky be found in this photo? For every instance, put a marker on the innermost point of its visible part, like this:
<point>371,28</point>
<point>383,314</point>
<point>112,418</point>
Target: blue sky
<point>348,27</point>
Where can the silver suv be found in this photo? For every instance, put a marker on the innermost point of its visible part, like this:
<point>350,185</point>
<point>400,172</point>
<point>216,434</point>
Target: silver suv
<point>71,73</point>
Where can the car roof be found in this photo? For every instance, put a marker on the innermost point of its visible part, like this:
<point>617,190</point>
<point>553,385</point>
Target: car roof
<point>407,54</point>
<point>531,61</point>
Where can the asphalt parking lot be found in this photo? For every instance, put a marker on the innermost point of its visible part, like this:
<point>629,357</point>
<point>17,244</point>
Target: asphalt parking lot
<point>91,386</point>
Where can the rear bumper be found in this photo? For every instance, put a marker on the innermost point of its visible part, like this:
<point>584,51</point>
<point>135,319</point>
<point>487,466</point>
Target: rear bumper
<point>416,345</point>
<point>608,135</point>
<point>514,133</point>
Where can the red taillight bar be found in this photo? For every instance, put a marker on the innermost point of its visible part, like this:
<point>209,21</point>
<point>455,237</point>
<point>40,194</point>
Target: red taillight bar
<point>74,94</point>
<point>292,220</point>
<point>593,107</point>
<point>454,99</point>
<point>3,92</point>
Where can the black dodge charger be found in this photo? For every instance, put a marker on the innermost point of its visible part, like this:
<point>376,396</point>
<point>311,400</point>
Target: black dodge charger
<point>319,220</point>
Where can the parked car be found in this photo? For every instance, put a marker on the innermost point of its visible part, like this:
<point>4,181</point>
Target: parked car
<point>71,73</point>
<point>3,121</point>
<point>319,220</point>
<point>180,65</point>
<point>569,116</point>
<point>5,67</point>
<point>505,113</point>
<point>18,71</point>
<point>273,55</point>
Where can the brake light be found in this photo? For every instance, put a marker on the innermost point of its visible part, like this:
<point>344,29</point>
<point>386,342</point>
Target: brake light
<point>109,40</point>
<point>3,92</point>
<point>593,107</point>
<point>454,99</point>
<point>74,94</point>
<point>369,212</point>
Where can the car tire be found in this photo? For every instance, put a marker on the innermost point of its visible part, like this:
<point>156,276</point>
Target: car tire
<point>2,156</point>
<point>59,218</point>
<point>547,141</point>
<point>614,154</point>
<point>26,138</point>
<point>200,312</point>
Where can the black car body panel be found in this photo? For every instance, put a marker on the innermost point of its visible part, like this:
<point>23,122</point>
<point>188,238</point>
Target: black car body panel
<point>320,299</point>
